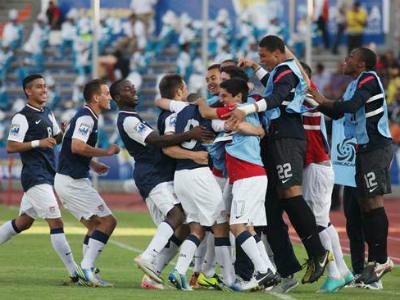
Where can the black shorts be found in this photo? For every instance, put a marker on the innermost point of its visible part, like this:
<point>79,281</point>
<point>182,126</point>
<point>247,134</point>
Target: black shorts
<point>373,172</point>
<point>287,155</point>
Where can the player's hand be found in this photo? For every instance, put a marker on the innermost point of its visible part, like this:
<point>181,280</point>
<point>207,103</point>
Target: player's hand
<point>99,167</point>
<point>237,116</point>
<point>316,95</point>
<point>113,149</point>
<point>200,157</point>
<point>244,63</point>
<point>47,143</point>
<point>201,134</point>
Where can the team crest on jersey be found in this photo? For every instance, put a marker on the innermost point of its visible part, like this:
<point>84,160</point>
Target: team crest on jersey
<point>100,207</point>
<point>172,121</point>
<point>140,127</point>
<point>52,209</point>
<point>14,130</point>
<point>84,129</point>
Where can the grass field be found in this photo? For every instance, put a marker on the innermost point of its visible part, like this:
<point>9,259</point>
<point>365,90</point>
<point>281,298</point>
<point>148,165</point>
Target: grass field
<point>30,269</point>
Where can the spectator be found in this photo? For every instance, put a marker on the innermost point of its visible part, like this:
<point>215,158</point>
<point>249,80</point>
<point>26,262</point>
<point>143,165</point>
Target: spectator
<point>53,14</point>
<point>340,19</point>
<point>322,18</point>
<point>144,9</point>
<point>393,88</point>
<point>68,32</point>
<point>321,77</point>
<point>184,62</point>
<point>12,32</point>
<point>6,56</point>
<point>356,21</point>
<point>337,83</point>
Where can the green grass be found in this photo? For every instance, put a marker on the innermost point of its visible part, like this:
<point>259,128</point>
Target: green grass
<point>30,269</point>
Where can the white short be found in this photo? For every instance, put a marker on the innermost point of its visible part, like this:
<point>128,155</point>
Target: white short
<point>161,200</point>
<point>248,202</point>
<point>80,198</point>
<point>200,196</point>
<point>318,181</point>
<point>227,196</point>
<point>40,202</point>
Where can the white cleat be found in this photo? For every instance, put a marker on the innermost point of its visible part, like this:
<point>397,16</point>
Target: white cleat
<point>148,268</point>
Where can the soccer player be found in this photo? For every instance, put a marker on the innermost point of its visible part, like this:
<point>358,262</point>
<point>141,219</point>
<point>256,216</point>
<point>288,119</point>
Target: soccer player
<point>153,172</point>
<point>72,181</point>
<point>284,96</point>
<point>33,133</point>
<point>202,201</point>
<point>364,107</point>
<point>317,190</point>
<point>249,182</point>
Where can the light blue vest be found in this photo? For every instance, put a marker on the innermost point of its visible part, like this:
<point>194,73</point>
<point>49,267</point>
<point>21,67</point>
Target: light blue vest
<point>355,125</point>
<point>246,147</point>
<point>343,154</point>
<point>294,106</point>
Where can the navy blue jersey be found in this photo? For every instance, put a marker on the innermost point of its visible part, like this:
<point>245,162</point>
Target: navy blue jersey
<point>166,121</point>
<point>188,118</point>
<point>151,167</point>
<point>38,164</point>
<point>83,126</point>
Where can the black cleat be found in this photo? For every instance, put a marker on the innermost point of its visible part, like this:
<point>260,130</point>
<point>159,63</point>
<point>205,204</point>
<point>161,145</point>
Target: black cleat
<point>316,267</point>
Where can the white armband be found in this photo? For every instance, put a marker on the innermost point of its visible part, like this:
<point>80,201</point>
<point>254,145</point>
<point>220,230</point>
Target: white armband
<point>262,105</point>
<point>35,143</point>
<point>248,109</point>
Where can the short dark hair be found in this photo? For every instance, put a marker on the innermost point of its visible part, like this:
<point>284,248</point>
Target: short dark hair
<point>306,68</point>
<point>169,84</point>
<point>272,43</point>
<point>28,79</point>
<point>114,88</point>
<point>368,57</point>
<point>235,72</point>
<point>228,62</point>
<point>91,88</point>
<point>213,66</point>
<point>235,86</point>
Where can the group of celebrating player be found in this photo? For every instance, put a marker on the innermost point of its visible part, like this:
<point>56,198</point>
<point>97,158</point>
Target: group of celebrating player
<point>204,174</point>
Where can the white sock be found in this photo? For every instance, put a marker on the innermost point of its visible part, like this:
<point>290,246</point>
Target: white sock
<point>7,231</point>
<point>224,259</point>
<point>199,255</point>
<point>61,246</point>
<point>166,255</point>
<point>337,250</point>
<point>333,271</point>
<point>96,244</point>
<point>210,259</point>
<point>186,254</point>
<point>160,239</point>
<point>249,246</point>
<point>264,255</point>
<point>85,245</point>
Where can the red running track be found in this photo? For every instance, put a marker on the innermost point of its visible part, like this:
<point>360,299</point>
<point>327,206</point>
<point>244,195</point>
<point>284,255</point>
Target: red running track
<point>133,202</point>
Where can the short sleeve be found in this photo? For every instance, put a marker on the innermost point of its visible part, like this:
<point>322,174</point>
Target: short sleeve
<point>136,130</point>
<point>218,125</point>
<point>170,124</point>
<point>177,106</point>
<point>18,129</point>
<point>56,127</point>
<point>83,128</point>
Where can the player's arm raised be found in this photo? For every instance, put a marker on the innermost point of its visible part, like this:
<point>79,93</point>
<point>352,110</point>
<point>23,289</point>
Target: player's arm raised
<point>198,133</point>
